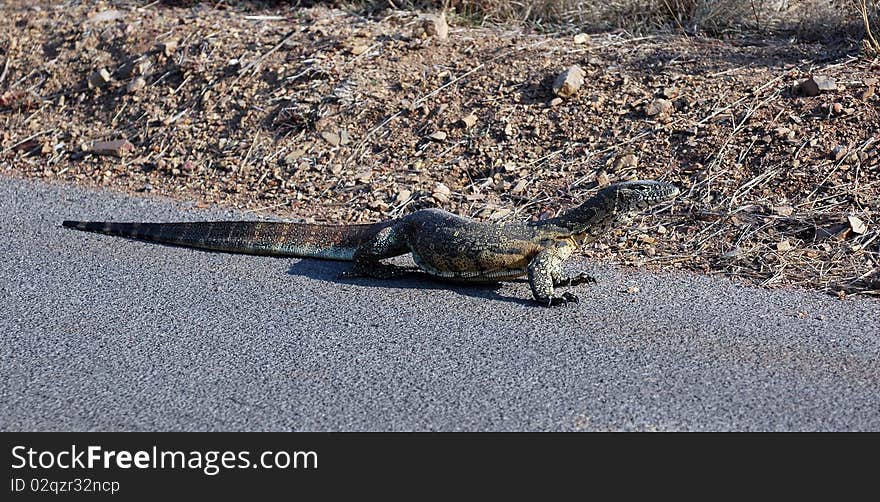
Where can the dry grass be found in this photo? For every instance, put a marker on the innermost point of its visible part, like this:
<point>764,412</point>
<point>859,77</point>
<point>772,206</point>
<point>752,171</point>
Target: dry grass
<point>808,19</point>
<point>870,42</point>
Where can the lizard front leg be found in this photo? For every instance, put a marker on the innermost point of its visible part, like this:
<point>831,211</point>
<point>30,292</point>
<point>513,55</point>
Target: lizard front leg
<point>544,268</point>
<point>388,243</point>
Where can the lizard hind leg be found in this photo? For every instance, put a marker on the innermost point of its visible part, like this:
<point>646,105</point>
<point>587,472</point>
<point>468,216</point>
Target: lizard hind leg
<point>387,243</point>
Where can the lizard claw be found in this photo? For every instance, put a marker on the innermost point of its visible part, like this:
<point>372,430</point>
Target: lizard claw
<point>565,299</point>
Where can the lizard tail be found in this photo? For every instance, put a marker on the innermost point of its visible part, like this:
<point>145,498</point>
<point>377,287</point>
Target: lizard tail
<point>332,242</point>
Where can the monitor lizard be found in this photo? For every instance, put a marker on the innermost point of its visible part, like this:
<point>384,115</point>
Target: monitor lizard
<point>442,244</point>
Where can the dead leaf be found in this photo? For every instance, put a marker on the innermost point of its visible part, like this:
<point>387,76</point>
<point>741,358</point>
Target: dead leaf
<point>469,121</point>
<point>857,225</point>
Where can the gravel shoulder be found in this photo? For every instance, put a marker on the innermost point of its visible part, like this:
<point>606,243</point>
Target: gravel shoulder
<point>100,333</point>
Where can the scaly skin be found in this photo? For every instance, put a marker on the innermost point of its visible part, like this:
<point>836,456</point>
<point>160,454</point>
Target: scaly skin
<point>442,244</point>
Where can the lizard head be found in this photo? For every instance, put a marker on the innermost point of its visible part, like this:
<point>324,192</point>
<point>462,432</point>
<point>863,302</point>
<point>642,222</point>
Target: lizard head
<point>612,205</point>
<point>633,196</point>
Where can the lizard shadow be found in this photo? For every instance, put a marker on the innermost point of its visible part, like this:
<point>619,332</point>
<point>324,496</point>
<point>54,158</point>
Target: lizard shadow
<point>330,271</point>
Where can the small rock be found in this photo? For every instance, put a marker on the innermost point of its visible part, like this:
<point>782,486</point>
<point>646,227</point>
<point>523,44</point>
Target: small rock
<point>378,205</point>
<point>556,101</point>
<point>331,137</point>
<point>168,47</point>
<point>499,213</point>
<point>116,148</point>
<point>31,146</point>
<point>857,225</point>
<point>441,193</point>
<point>581,38</point>
<point>816,84</point>
<point>469,121</point>
<point>633,289</point>
<point>784,133</point>
<point>628,161</point>
<point>568,82</point>
<point>783,210</point>
<point>733,253</point>
<point>14,99</point>
<point>836,108</point>
<point>870,81</point>
<point>137,84</point>
<point>144,65</point>
<point>784,245</point>
<point>291,158</point>
<point>99,78</point>
<point>107,15</point>
<point>435,26</point>
<point>647,239</point>
<point>344,138</point>
<point>357,50</point>
<point>403,195</point>
<point>438,136</point>
<point>670,92</point>
<point>603,179</point>
<point>519,187</point>
<point>807,87</point>
<point>838,153</point>
<point>658,107</point>
<point>823,83</point>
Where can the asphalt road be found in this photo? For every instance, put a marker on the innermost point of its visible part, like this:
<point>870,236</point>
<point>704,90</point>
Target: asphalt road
<point>103,333</point>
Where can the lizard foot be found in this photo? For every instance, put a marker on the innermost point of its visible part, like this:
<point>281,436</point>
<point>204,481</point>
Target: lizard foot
<point>581,278</point>
<point>565,299</point>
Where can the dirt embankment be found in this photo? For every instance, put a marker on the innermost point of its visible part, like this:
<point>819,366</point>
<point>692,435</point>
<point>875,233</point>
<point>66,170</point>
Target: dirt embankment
<point>322,114</point>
